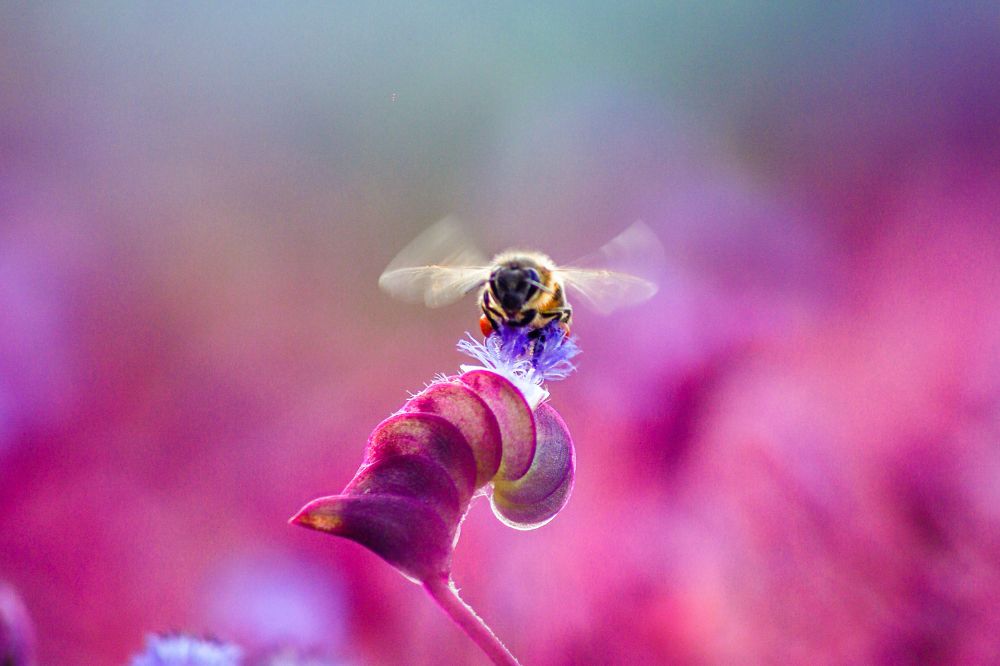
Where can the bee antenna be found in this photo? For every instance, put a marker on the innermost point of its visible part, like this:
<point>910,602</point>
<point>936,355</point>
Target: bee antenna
<point>547,290</point>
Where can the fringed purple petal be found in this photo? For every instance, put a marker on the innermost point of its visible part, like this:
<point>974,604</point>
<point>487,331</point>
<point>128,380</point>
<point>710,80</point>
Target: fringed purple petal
<point>429,435</point>
<point>403,531</point>
<point>514,341</point>
<point>532,356</point>
<point>464,409</point>
<point>541,493</point>
<point>553,361</point>
<point>517,425</point>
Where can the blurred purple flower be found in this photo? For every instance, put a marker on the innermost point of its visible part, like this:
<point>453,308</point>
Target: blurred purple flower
<point>17,634</point>
<point>290,656</point>
<point>179,650</point>
<point>268,599</point>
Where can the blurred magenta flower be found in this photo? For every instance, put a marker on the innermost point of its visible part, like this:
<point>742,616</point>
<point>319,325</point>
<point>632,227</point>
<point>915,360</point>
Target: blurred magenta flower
<point>483,432</point>
<point>17,634</point>
<point>180,650</point>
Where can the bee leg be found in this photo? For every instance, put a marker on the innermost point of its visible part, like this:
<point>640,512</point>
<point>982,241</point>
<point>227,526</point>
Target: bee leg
<point>560,315</point>
<point>488,322</point>
<point>565,315</point>
<point>538,344</point>
<point>527,316</point>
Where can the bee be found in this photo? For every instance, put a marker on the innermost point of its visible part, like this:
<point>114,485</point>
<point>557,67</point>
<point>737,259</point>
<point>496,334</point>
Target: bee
<point>521,288</point>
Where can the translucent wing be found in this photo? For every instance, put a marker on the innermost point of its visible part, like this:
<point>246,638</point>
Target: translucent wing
<point>620,273</point>
<point>437,268</point>
<point>433,285</point>
<point>606,291</point>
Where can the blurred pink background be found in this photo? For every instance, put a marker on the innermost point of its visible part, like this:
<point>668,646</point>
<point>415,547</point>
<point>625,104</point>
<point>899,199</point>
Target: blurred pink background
<point>790,455</point>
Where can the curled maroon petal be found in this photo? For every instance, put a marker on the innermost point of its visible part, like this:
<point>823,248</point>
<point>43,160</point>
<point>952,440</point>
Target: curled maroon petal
<point>552,463</point>
<point>464,409</point>
<point>403,531</point>
<point>535,498</point>
<point>430,435</point>
<point>424,465</point>
<point>411,475</point>
<point>517,426</point>
<point>533,515</point>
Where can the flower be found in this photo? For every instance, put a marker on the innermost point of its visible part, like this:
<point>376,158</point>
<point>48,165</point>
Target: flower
<point>485,431</point>
<point>425,464</point>
<point>292,656</point>
<point>180,650</point>
<point>17,635</point>
<point>526,362</point>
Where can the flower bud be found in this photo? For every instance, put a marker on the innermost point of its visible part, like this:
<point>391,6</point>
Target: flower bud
<point>425,464</point>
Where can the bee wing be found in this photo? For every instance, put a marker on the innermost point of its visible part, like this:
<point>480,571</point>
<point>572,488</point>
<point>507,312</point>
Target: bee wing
<point>433,285</point>
<point>437,268</point>
<point>605,291</point>
<point>610,278</point>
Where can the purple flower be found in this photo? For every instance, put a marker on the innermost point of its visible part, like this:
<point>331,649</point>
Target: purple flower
<point>528,362</point>
<point>17,635</point>
<point>292,656</point>
<point>179,650</point>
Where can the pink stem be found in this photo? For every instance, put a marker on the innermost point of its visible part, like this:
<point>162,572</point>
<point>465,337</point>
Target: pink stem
<point>446,595</point>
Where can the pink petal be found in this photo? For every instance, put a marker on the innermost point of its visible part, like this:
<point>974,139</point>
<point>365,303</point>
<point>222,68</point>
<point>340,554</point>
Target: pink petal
<point>552,462</point>
<point>517,425</point>
<point>464,409</point>
<point>415,476</point>
<point>543,491</point>
<point>531,516</point>
<point>403,531</point>
<point>429,435</point>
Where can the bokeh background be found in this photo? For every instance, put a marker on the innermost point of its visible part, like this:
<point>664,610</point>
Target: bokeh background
<point>791,454</point>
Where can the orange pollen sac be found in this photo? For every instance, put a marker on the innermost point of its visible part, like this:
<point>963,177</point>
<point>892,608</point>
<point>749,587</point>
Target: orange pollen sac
<point>485,326</point>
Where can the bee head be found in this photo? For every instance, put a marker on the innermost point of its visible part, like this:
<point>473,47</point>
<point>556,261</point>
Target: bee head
<point>513,284</point>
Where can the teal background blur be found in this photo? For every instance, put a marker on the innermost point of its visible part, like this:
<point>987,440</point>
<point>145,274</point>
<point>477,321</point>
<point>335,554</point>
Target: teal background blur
<point>788,456</point>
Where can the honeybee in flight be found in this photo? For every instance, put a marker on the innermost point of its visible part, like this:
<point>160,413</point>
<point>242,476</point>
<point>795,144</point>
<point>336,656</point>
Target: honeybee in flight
<point>521,288</point>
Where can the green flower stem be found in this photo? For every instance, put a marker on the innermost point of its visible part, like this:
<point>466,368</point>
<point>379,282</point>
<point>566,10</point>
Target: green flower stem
<point>445,593</point>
